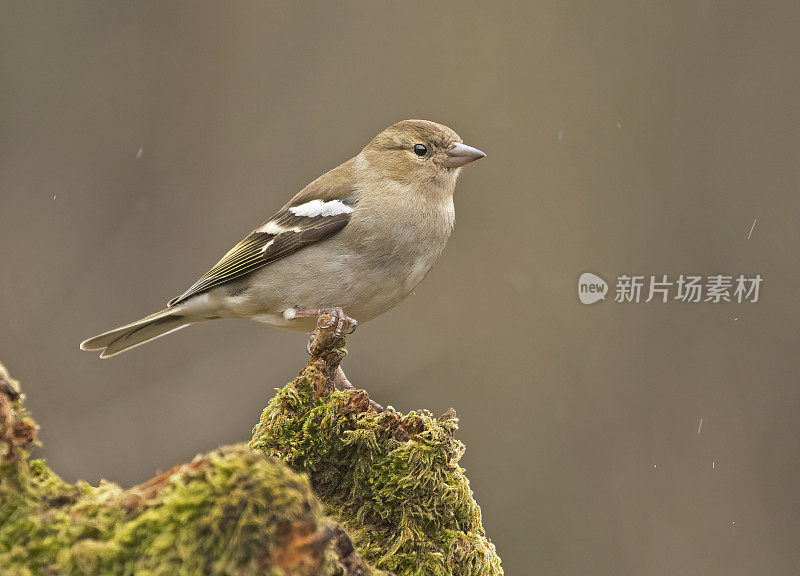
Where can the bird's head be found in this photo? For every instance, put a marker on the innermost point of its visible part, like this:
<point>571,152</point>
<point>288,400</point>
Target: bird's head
<point>419,152</point>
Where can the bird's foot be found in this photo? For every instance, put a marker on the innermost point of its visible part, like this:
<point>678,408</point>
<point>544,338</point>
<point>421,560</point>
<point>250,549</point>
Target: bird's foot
<point>343,323</point>
<point>325,344</point>
<point>342,383</point>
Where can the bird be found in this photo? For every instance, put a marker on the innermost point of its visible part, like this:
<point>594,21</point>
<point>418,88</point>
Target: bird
<point>353,243</point>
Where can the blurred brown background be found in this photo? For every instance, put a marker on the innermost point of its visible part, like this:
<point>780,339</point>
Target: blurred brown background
<point>139,141</point>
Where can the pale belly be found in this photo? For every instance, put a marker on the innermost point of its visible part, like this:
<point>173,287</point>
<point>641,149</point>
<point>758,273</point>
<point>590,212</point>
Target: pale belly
<point>318,277</point>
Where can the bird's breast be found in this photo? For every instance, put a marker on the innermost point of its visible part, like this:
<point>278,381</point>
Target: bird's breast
<point>366,268</point>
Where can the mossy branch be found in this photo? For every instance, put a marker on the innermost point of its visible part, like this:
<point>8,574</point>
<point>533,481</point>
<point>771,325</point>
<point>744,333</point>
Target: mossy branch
<point>327,486</point>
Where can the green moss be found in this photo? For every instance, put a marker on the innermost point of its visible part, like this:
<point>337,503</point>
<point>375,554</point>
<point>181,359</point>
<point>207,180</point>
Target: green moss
<point>392,480</point>
<point>232,512</point>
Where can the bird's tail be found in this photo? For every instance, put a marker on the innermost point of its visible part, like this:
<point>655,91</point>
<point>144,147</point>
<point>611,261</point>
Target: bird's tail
<point>139,332</point>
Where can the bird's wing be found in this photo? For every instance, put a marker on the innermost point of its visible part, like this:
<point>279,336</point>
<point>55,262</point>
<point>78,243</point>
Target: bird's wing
<point>321,209</point>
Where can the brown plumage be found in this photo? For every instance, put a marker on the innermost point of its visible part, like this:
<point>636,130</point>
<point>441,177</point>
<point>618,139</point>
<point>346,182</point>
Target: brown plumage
<point>360,237</point>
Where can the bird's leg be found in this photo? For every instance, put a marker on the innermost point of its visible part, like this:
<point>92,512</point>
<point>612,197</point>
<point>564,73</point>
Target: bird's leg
<point>344,323</point>
<point>342,383</point>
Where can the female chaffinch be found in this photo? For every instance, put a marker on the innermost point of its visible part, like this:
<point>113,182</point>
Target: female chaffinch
<point>354,242</point>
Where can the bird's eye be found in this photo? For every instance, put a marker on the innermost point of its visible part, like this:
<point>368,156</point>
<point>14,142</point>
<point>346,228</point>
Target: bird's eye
<point>420,149</point>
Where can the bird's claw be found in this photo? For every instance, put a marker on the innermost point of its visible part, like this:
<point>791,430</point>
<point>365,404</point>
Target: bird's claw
<point>309,343</point>
<point>344,324</point>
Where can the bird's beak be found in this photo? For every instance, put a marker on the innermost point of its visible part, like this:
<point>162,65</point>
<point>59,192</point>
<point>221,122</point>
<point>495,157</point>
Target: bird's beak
<point>460,154</point>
